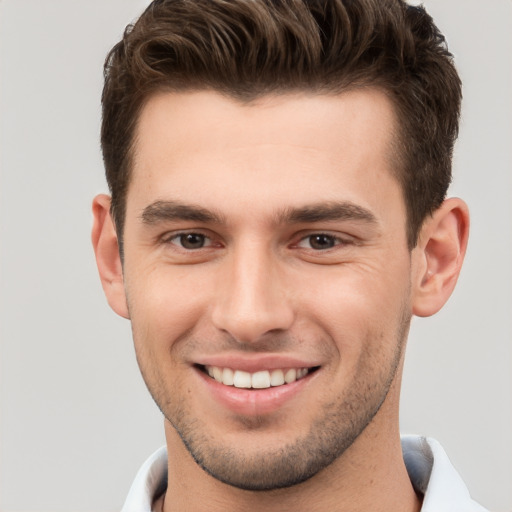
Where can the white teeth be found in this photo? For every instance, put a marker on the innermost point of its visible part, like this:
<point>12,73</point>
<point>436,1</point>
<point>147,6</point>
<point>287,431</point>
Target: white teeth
<point>217,374</point>
<point>277,378</point>
<point>242,379</point>
<point>258,380</point>
<point>290,376</point>
<point>227,376</point>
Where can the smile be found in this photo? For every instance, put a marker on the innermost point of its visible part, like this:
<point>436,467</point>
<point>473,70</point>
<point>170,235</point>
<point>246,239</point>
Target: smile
<point>258,380</point>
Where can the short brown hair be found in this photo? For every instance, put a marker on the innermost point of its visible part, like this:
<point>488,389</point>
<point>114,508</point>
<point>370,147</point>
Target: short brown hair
<point>249,48</point>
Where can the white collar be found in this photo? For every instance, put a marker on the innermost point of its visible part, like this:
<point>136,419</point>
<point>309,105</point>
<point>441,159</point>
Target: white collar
<point>429,469</point>
<point>433,475</point>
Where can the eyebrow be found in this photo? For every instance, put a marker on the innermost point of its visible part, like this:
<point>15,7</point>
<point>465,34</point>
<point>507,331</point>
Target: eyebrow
<point>324,212</point>
<point>161,211</point>
<point>174,210</point>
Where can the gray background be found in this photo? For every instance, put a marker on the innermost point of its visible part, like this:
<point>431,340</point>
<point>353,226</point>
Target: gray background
<point>76,421</point>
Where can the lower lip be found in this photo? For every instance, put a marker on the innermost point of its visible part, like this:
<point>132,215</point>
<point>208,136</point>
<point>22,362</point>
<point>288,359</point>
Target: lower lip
<point>254,402</point>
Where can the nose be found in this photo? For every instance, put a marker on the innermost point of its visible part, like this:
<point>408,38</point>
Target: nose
<point>252,299</point>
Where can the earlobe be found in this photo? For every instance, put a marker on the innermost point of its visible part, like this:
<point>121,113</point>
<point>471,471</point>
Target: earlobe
<point>108,260</point>
<point>439,255</point>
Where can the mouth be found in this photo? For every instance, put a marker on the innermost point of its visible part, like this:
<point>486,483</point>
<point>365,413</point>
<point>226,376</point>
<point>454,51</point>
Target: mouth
<point>262,379</point>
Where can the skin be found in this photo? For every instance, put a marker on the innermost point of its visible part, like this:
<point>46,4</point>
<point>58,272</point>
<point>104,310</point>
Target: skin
<point>256,185</point>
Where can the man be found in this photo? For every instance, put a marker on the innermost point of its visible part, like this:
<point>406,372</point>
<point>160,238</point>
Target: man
<point>278,172</point>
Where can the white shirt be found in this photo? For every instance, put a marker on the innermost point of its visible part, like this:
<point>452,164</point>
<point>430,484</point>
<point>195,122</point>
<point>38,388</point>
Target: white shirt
<point>429,469</point>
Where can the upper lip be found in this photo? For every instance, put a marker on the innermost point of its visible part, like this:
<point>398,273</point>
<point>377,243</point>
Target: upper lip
<point>256,362</point>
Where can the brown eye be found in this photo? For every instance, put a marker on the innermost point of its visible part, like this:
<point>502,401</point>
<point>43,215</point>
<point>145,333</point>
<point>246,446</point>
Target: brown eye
<point>321,241</point>
<point>191,241</point>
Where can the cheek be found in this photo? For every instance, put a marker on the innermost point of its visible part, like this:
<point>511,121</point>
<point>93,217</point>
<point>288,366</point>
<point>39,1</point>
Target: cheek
<point>165,306</point>
<point>165,303</point>
<point>357,306</point>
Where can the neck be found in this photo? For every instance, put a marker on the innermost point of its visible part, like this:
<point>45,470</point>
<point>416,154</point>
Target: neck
<point>370,475</point>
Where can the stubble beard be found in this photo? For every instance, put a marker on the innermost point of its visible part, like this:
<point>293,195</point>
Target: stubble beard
<point>337,426</point>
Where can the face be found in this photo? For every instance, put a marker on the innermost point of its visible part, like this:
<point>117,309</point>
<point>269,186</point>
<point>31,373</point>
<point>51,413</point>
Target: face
<point>267,277</point>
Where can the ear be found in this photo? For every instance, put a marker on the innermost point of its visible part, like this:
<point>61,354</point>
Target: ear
<point>108,259</point>
<point>439,255</point>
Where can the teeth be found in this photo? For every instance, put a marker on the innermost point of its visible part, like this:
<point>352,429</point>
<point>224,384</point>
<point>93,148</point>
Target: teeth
<point>277,378</point>
<point>228,376</point>
<point>258,380</point>
<point>217,374</point>
<point>290,376</point>
<point>242,379</point>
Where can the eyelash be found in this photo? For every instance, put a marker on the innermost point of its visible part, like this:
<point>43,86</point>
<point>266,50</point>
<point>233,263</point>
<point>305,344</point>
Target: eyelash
<point>178,239</point>
<point>335,240</point>
<point>181,235</point>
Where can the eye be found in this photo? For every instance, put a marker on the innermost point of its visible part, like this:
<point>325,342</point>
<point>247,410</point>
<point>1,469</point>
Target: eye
<point>190,241</point>
<point>319,242</point>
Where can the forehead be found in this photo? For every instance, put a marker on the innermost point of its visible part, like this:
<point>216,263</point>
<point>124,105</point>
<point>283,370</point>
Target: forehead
<point>290,148</point>
<point>295,117</point>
